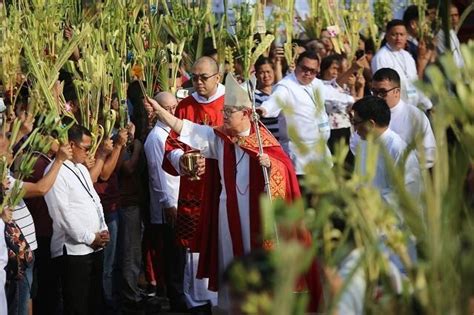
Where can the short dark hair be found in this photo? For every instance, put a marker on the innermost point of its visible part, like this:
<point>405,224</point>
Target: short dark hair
<point>327,61</point>
<point>387,74</point>
<point>393,23</point>
<point>307,54</point>
<point>375,108</point>
<point>433,4</point>
<point>76,132</point>
<point>263,61</point>
<point>410,14</point>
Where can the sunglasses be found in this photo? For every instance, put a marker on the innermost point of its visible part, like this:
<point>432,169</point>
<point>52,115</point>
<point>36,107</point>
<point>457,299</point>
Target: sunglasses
<point>305,69</point>
<point>202,77</point>
<point>86,149</point>
<point>382,92</point>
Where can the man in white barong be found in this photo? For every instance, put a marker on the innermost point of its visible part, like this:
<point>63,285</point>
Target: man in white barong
<point>300,96</point>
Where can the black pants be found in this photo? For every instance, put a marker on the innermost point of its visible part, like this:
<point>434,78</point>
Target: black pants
<point>162,238</point>
<point>175,260</point>
<point>47,286</point>
<point>81,280</point>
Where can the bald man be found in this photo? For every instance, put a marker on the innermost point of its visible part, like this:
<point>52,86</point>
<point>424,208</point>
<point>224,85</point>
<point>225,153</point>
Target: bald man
<point>163,189</point>
<point>204,107</point>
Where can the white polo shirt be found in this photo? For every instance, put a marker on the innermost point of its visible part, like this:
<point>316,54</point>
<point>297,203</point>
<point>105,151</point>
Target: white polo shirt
<point>75,208</point>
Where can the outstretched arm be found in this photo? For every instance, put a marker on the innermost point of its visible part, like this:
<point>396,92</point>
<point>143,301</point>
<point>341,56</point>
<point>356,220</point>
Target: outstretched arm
<point>168,119</point>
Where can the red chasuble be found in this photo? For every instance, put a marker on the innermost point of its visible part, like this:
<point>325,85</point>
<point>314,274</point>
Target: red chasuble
<point>191,192</point>
<point>283,184</point>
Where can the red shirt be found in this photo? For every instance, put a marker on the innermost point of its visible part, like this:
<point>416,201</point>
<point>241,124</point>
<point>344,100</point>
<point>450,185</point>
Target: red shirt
<point>37,205</point>
<point>109,193</point>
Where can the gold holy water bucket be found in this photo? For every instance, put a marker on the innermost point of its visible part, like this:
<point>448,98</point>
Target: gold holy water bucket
<point>190,163</point>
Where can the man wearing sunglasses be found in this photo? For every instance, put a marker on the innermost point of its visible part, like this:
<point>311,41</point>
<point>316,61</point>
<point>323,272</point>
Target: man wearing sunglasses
<point>203,107</point>
<point>409,122</point>
<point>79,229</point>
<point>300,94</point>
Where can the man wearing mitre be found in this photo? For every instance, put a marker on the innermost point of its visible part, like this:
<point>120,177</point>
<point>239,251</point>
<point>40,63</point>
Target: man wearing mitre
<point>230,223</point>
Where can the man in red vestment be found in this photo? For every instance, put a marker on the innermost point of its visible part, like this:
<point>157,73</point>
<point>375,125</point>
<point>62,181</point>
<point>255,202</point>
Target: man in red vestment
<point>230,224</point>
<point>203,107</point>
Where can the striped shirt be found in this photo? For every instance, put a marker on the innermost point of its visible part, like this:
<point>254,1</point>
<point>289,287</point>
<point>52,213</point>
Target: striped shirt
<point>272,122</point>
<point>22,217</point>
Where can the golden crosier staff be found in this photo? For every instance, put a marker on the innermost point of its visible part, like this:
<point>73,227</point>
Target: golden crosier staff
<point>251,87</point>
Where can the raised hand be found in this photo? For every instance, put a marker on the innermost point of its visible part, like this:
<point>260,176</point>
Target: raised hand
<point>64,152</point>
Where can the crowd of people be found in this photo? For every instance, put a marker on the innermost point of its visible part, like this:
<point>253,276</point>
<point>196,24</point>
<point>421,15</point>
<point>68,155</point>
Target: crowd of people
<point>164,206</point>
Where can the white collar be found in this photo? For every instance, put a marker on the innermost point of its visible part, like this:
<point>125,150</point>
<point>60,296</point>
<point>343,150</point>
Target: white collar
<point>160,124</point>
<point>397,107</point>
<point>393,50</point>
<point>384,137</point>
<point>202,100</point>
<point>245,133</point>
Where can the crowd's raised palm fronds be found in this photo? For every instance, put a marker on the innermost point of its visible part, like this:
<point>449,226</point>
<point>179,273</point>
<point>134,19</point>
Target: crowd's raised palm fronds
<point>187,22</point>
<point>246,48</point>
<point>354,17</point>
<point>11,44</point>
<point>382,13</point>
<point>313,25</point>
<point>423,25</point>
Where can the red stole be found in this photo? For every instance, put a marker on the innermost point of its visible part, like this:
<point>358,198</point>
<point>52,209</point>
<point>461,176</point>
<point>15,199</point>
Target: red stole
<point>191,192</point>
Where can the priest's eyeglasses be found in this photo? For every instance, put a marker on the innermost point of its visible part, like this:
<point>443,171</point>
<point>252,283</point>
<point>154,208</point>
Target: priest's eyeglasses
<point>203,77</point>
<point>227,112</point>
<point>382,93</point>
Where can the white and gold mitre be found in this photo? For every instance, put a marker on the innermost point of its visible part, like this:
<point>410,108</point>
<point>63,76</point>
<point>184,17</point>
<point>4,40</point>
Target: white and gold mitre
<point>235,94</point>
